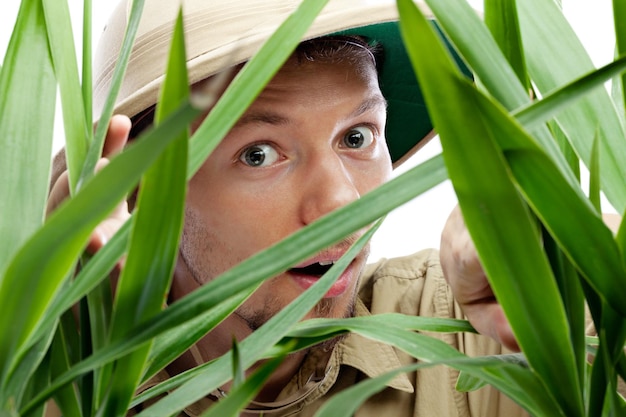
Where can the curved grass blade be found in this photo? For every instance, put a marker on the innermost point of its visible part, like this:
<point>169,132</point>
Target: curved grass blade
<point>493,212</point>
<point>63,53</point>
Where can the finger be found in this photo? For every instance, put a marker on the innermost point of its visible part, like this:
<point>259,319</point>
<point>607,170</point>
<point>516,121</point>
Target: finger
<point>488,319</point>
<point>107,228</point>
<point>117,135</point>
<point>60,191</point>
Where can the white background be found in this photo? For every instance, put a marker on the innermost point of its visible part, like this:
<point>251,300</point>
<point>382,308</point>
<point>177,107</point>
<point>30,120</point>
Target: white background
<point>418,224</point>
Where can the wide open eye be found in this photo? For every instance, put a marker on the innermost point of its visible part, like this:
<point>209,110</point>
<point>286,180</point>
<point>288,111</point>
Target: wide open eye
<point>358,137</point>
<point>260,155</point>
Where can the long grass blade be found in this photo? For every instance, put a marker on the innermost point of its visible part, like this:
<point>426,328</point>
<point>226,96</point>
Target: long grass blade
<point>146,277</point>
<point>494,211</point>
<point>95,147</point>
<point>511,376</point>
<point>63,52</point>
<point>28,87</point>
<point>501,19</point>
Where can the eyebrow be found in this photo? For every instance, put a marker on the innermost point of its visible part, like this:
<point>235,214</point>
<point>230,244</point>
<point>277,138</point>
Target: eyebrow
<point>265,117</point>
<point>371,103</point>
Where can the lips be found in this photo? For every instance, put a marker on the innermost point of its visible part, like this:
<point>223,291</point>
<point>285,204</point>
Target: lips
<point>309,272</point>
<point>317,269</point>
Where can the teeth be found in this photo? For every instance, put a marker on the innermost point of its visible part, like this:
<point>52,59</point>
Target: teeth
<point>324,263</point>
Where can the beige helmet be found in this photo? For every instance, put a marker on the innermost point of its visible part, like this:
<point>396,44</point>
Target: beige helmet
<point>223,33</point>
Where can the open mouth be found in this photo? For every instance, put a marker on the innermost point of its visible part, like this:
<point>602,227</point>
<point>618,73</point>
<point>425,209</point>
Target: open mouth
<point>316,269</point>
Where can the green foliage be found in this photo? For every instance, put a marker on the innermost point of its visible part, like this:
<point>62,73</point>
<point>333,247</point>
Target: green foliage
<point>512,161</point>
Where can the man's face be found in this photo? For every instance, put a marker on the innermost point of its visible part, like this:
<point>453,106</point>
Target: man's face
<point>312,142</point>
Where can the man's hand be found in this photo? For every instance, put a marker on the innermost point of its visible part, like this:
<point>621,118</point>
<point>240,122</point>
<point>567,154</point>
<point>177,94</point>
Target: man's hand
<point>116,139</point>
<point>466,277</point>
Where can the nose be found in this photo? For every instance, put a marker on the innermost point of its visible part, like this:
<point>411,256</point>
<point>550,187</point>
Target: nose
<point>327,186</point>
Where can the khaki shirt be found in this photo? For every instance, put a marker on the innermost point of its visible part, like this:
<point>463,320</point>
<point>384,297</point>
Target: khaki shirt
<point>411,285</point>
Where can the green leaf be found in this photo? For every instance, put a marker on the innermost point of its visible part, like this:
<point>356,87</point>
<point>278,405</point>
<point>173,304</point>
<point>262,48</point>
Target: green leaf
<point>238,370</point>
<point>28,88</point>
<point>243,393</point>
<point>501,19</point>
<point>146,277</point>
<point>95,148</point>
<point>469,383</point>
<point>557,100</point>
<point>77,132</point>
<point>594,176</point>
<point>493,210</point>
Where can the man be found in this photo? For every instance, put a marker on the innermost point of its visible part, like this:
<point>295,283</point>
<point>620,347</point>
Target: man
<point>326,130</point>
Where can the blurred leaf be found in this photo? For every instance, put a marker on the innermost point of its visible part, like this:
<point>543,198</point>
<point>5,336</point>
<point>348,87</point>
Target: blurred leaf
<point>87,73</point>
<point>493,210</point>
<point>469,383</point>
<point>501,19</point>
<point>28,88</point>
<point>63,53</point>
<point>238,370</point>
